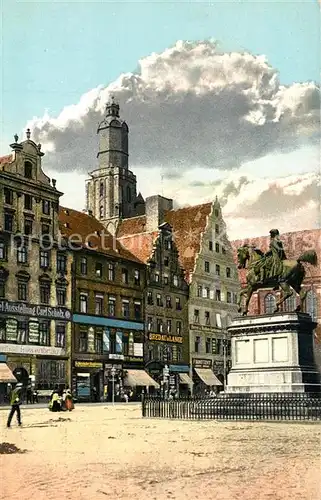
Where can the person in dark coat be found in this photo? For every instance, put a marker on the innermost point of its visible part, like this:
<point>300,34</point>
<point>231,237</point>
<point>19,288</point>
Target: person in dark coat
<point>15,402</point>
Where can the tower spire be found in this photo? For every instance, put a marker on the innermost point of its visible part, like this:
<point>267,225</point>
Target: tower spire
<point>112,108</point>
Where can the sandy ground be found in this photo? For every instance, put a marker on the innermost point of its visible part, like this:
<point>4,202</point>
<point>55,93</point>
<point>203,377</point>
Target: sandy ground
<point>111,452</point>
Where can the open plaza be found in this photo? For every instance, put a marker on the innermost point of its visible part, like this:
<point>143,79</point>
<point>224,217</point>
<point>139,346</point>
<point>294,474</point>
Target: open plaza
<point>104,451</point>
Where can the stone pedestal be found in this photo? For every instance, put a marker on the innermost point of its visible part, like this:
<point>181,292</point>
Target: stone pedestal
<point>273,353</point>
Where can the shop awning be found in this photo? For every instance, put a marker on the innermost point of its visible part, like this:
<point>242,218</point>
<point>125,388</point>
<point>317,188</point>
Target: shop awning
<point>207,376</point>
<point>141,378</point>
<point>185,379</point>
<point>6,374</point>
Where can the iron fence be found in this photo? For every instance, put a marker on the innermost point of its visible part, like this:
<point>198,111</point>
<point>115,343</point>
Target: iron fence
<point>260,406</point>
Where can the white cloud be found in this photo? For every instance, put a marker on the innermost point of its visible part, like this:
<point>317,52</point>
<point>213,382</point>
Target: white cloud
<point>207,123</point>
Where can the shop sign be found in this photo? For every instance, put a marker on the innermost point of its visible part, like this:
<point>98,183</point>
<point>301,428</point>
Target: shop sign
<point>32,349</point>
<point>165,338</point>
<point>202,363</point>
<point>116,356</point>
<point>138,359</point>
<point>11,330</point>
<point>48,312</point>
<point>88,364</point>
<point>138,349</point>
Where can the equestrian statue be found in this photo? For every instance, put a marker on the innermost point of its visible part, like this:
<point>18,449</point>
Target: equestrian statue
<point>273,270</point>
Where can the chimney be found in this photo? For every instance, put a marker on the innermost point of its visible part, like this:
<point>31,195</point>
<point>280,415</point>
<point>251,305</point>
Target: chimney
<point>156,206</point>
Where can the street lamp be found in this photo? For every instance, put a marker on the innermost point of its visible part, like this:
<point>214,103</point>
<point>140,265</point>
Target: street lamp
<point>113,373</point>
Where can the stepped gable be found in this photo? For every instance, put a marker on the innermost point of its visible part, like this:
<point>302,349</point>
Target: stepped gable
<point>295,243</point>
<point>189,224</point>
<point>84,229</point>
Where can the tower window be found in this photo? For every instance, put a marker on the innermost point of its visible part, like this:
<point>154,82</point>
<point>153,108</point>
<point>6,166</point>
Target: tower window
<point>101,189</point>
<point>101,211</point>
<point>28,169</point>
<point>128,194</point>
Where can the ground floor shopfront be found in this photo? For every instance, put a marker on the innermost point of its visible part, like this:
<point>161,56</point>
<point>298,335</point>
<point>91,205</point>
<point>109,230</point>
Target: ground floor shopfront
<point>107,360</point>
<point>208,375</point>
<point>36,342</point>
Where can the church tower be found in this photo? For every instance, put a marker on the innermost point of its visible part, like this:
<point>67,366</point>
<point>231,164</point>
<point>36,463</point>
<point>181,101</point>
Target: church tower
<point>111,189</point>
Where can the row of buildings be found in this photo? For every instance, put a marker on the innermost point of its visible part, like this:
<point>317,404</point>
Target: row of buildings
<point>127,293</point>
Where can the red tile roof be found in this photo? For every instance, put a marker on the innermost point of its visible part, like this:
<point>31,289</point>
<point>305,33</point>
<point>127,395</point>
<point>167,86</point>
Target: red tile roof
<point>134,225</point>
<point>6,159</point>
<point>83,229</point>
<point>141,245</point>
<point>188,223</point>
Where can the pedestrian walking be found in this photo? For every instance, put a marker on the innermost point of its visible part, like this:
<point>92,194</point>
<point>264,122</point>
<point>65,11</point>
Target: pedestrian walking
<point>15,402</point>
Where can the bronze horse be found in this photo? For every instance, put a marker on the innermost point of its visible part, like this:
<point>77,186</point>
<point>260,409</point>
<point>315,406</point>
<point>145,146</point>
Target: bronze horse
<point>289,280</point>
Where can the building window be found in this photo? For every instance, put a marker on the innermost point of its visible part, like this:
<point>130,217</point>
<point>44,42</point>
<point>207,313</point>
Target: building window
<point>98,342</point>
<point>22,332</point>
<point>229,297</point>
<point>28,202</point>
<point>44,293</point>
<point>234,298</point>
<point>44,259</point>
<point>207,318</point>
<point>2,289</point>
<point>28,169</point>
<point>178,327</point>
<point>206,292</point>
<point>3,250</point>
<point>178,304</point>
<point>208,346</point>
<point>169,326</point>
<point>83,341</point>
<point>111,306</point>
<point>199,291</point>
<point>159,325</point>
<point>22,255</point>
<point>101,212</point>
<point>45,229</point>
<point>83,265</point>
<point>218,346</point>
<point>125,308</point>
<point>175,280</point>
<point>137,277</point>
<point>217,248</point>
<point>165,280</point>
<point>228,272</point>
<point>46,207</point>
<point>217,270</point>
<point>61,296</point>
<point>217,229</point>
<point>149,323</point>
<point>196,316</point>
<point>8,222</point>
<point>166,261</point>
<point>128,194</point>
<point>60,335</point>
<point>99,304</point>
<point>150,298</point>
<point>61,263</point>
<point>290,304</point>
<point>124,273</point>
<point>99,269</point>
<point>218,295</point>
<point>223,250</point>
<point>83,302</point>
<point>28,226</point>
<point>157,278</point>
<point>206,266</point>
<point>159,301</point>
<point>8,196</point>
<point>22,291</point>
<point>44,333</point>
<point>210,245</point>
<point>138,309</point>
<point>111,271</point>
<point>311,304</point>
<point>197,344</point>
<point>269,303</point>
<point>101,189</point>
<point>168,302</point>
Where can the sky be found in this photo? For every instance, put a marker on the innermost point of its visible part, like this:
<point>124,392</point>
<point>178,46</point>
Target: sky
<point>221,98</point>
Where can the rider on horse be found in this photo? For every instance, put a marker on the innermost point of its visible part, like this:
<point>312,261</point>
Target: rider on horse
<point>270,265</point>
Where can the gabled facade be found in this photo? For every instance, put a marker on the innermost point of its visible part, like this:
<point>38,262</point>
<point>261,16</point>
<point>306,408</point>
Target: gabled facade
<point>166,348</point>
<point>35,271</point>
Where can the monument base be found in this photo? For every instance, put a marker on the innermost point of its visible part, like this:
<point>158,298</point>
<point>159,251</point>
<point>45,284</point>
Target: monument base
<point>273,353</point>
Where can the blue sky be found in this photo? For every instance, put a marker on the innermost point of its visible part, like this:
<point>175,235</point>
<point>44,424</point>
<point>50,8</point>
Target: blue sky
<point>53,52</point>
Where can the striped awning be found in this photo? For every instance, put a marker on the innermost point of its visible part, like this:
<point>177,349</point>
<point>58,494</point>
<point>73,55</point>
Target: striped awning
<point>185,379</point>
<point>140,378</point>
<point>207,376</point>
<point>6,374</point>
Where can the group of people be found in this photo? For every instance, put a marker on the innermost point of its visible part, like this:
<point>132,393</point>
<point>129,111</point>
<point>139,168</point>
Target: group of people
<point>61,400</point>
